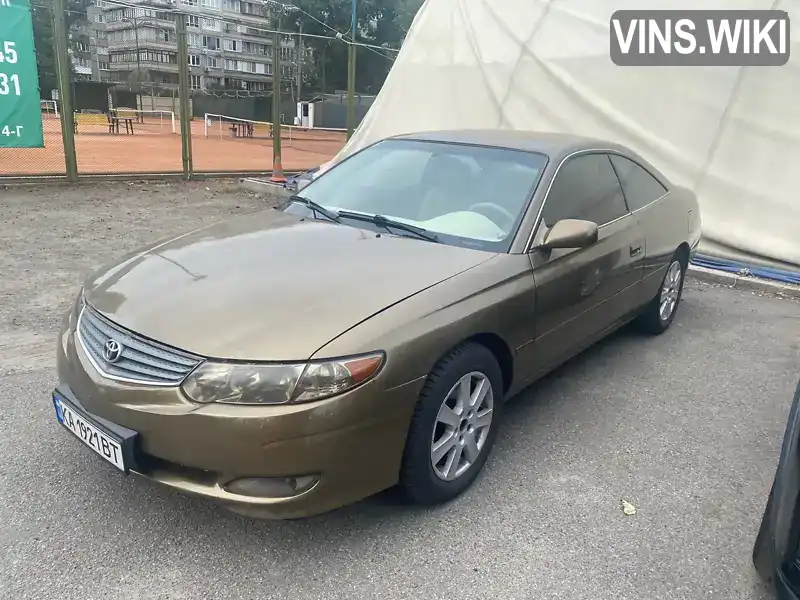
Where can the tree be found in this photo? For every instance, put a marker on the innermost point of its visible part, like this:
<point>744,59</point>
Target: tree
<point>406,11</point>
<point>42,15</point>
<point>380,23</point>
<point>45,53</point>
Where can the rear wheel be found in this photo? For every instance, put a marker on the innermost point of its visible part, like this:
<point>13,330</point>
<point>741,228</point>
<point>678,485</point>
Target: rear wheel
<point>763,558</point>
<point>454,426</point>
<point>660,312</point>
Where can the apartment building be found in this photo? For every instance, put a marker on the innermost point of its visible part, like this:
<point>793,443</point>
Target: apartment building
<point>230,43</point>
<point>88,48</point>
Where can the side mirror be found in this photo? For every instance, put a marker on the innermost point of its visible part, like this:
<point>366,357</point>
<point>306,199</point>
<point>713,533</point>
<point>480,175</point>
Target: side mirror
<point>570,233</point>
<point>302,183</point>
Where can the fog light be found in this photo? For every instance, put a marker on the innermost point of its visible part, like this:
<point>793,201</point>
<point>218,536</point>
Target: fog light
<point>272,487</point>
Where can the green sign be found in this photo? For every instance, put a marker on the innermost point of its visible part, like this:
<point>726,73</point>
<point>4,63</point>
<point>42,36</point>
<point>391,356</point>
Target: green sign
<point>20,109</point>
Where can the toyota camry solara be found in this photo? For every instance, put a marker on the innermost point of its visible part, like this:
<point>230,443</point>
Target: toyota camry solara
<point>366,333</point>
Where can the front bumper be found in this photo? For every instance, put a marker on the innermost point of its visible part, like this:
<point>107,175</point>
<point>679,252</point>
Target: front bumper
<point>353,443</point>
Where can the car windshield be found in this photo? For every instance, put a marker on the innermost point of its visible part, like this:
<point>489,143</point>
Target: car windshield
<point>472,196</point>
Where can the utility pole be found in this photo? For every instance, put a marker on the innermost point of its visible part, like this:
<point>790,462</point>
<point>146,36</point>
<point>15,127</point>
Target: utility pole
<point>65,90</point>
<point>136,41</point>
<point>324,68</point>
<point>351,76</point>
<point>183,96</point>
<point>277,165</point>
<point>135,20</point>
<point>299,63</point>
<point>138,60</point>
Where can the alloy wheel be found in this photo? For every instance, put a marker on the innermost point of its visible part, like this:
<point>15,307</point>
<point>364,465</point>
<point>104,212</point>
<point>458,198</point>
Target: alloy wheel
<point>462,426</point>
<point>670,290</point>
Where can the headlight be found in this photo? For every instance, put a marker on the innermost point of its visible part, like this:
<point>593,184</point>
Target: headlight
<point>279,383</point>
<point>71,317</point>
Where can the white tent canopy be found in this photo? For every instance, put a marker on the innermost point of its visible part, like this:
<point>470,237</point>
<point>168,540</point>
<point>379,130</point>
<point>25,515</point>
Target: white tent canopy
<point>730,134</point>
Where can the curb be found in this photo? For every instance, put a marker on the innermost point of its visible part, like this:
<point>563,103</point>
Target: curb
<point>744,282</point>
<point>259,186</point>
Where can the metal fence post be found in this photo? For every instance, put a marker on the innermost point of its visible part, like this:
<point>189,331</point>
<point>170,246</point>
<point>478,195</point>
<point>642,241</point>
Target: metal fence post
<point>277,160</point>
<point>64,89</point>
<point>183,97</point>
<point>351,76</point>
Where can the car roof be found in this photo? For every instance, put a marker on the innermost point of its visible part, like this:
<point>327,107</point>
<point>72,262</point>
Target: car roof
<point>554,145</point>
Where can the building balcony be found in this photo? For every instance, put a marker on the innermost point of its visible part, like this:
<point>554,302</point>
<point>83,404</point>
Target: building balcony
<point>157,67</point>
<point>167,4</point>
<point>147,87</point>
<point>255,35</point>
<point>253,20</point>
<point>205,51</point>
<point>156,3</point>
<point>140,23</point>
<point>243,76</point>
<point>143,44</point>
<point>257,56</point>
<point>252,55</point>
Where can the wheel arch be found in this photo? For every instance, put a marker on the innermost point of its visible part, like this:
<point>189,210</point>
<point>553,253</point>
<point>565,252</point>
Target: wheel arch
<point>499,349</point>
<point>683,252</point>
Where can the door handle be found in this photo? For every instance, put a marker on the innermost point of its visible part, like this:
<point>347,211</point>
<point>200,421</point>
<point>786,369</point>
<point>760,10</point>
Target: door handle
<point>636,249</point>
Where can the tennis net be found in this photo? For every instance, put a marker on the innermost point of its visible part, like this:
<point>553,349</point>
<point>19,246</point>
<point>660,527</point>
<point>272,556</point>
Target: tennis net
<point>49,107</point>
<point>222,126</point>
<point>155,121</point>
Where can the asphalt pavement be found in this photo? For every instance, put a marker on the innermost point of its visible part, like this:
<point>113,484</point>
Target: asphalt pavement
<point>686,426</point>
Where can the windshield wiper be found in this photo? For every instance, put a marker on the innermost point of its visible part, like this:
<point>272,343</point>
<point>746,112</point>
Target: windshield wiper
<point>316,208</point>
<point>388,223</point>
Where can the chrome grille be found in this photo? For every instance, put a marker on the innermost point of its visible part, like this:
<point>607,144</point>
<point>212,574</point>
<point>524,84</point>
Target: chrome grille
<point>140,360</point>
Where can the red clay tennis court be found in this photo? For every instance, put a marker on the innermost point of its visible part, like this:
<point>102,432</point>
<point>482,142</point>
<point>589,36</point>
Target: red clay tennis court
<point>154,148</point>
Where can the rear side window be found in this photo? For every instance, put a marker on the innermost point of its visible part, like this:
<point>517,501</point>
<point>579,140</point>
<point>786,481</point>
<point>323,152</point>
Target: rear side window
<point>585,187</point>
<point>639,186</point>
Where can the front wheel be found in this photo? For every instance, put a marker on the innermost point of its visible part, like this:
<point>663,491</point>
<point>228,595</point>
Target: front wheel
<point>660,312</point>
<point>454,426</point>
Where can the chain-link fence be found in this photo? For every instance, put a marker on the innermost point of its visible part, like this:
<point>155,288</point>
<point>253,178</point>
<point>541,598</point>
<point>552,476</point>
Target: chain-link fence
<point>37,162</point>
<point>132,76</point>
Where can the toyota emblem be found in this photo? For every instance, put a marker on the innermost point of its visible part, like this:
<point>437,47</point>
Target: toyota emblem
<point>112,350</point>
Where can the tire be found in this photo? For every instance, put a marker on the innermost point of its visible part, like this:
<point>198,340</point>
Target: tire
<point>763,553</point>
<point>422,482</point>
<point>652,320</point>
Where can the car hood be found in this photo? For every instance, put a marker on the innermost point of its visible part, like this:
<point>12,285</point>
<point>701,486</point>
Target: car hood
<point>269,285</point>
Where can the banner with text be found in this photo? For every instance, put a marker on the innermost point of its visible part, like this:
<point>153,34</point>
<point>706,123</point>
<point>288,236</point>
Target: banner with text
<point>20,109</point>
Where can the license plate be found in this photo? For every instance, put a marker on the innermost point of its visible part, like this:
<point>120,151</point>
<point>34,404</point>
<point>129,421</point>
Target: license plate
<point>107,446</point>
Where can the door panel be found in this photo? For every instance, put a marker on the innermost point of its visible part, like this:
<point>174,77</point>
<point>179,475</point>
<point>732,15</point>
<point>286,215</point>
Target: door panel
<point>650,201</point>
<point>658,223</point>
<point>582,293</point>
